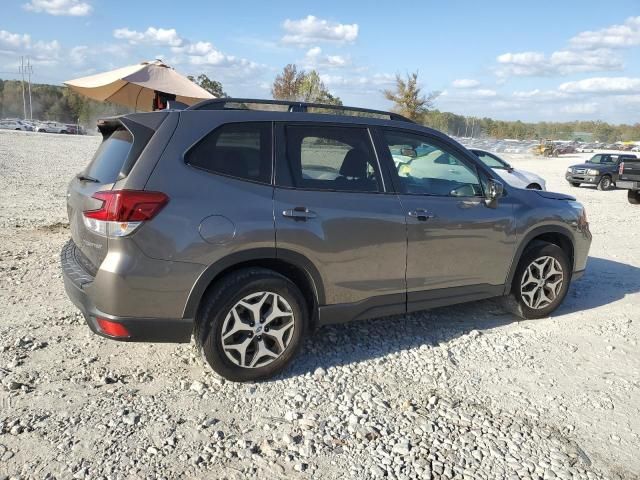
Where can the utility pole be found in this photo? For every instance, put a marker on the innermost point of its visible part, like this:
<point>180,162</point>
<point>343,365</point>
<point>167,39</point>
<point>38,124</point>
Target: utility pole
<point>29,72</point>
<point>24,100</point>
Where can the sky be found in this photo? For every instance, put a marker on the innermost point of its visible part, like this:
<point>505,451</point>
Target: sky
<point>532,61</point>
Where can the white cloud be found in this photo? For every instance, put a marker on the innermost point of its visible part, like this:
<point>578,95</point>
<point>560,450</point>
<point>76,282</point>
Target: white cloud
<point>312,29</point>
<point>14,41</point>
<point>603,85</point>
<point>78,55</point>
<point>314,58</point>
<point>360,83</point>
<point>151,36</point>
<point>561,62</point>
<point>74,8</point>
<point>581,108</point>
<point>465,83</point>
<point>614,36</point>
<point>40,52</point>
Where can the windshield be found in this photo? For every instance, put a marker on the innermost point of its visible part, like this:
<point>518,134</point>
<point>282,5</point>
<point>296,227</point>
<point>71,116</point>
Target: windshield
<point>600,159</point>
<point>491,161</point>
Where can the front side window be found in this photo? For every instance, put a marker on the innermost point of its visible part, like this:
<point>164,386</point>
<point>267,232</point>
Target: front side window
<point>331,158</point>
<point>241,150</point>
<point>425,167</point>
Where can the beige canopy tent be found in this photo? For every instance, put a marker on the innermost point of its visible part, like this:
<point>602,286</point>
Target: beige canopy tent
<point>135,86</point>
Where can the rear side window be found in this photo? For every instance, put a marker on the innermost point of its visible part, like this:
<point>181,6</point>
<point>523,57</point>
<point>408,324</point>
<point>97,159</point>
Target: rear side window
<point>331,158</point>
<point>240,150</point>
<point>110,157</point>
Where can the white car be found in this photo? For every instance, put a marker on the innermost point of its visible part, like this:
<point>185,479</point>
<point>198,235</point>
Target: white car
<point>12,125</point>
<point>52,127</point>
<point>514,177</point>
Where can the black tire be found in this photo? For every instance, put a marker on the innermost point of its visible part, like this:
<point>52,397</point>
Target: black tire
<point>574,184</point>
<point>534,186</point>
<point>633,196</point>
<point>221,299</point>
<point>605,183</point>
<point>536,251</point>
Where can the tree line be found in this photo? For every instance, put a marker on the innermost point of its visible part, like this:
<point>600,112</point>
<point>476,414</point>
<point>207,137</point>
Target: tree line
<point>52,102</point>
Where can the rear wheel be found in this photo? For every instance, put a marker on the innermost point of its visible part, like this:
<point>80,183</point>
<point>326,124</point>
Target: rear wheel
<point>251,324</point>
<point>633,196</point>
<point>605,183</point>
<point>541,280</point>
<point>534,186</point>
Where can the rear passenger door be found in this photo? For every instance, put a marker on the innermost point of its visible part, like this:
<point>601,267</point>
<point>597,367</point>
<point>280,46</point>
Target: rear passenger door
<point>333,206</point>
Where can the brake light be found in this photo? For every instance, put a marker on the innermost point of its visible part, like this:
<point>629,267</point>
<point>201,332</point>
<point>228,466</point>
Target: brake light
<point>123,211</point>
<point>113,329</point>
<point>620,170</point>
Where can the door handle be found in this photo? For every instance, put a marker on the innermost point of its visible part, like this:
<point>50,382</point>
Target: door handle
<point>420,214</point>
<point>299,213</point>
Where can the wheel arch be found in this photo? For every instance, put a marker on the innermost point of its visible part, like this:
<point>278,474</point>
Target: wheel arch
<point>292,265</point>
<point>555,234</point>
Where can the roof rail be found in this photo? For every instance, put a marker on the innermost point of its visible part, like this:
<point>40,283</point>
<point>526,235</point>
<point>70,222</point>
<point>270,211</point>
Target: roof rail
<point>293,106</point>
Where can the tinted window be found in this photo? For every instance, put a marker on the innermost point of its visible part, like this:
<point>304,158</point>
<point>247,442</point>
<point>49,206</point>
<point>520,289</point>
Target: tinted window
<point>241,150</point>
<point>425,167</point>
<point>331,158</point>
<point>110,156</point>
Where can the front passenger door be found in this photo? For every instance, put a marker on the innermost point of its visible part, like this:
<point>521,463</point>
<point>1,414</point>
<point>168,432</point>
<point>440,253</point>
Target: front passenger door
<point>457,245</point>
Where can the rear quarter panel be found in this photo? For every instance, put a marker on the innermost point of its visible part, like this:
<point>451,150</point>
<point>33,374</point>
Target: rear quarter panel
<point>203,202</point>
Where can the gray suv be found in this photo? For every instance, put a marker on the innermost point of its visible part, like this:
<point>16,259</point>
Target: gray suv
<point>248,223</point>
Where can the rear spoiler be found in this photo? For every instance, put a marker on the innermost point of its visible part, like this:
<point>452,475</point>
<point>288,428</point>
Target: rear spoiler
<point>142,126</point>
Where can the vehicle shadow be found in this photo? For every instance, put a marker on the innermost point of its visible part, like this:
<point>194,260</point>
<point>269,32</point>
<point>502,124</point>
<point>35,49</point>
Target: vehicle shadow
<point>604,282</point>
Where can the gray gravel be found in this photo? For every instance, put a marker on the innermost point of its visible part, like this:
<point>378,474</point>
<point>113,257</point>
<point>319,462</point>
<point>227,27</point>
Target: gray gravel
<point>465,392</point>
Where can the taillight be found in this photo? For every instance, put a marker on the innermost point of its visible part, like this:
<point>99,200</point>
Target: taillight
<point>621,168</point>
<point>123,211</point>
<point>113,329</point>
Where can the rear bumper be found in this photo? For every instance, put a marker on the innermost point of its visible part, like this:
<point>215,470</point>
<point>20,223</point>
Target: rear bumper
<point>177,330</point>
<point>628,184</point>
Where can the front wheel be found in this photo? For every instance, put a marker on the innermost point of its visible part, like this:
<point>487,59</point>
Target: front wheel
<point>574,184</point>
<point>541,281</point>
<point>251,324</point>
<point>633,196</point>
<point>605,183</point>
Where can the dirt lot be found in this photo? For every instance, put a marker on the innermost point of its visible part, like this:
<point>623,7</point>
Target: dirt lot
<point>461,392</point>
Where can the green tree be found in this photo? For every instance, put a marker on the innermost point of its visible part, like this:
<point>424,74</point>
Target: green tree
<point>302,86</point>
<point>408,98</point>
<point>212,86</point>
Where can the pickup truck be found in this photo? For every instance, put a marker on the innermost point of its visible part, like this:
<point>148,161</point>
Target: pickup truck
<point>600,170</point>
<point>629,179</point>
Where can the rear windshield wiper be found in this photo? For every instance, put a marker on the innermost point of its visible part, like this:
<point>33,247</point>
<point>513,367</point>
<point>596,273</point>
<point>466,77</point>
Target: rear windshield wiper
<point>86,178</point>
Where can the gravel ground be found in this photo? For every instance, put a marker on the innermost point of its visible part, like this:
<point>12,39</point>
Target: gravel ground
<point>461,392</point>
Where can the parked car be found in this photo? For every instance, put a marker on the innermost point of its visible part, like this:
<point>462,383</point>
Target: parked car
<point>601,170</point>
<point>13,125</point>
<point>52,127</point>
<point>247,229</point>
<point>517,178</point>
<point>629,179</point>
<point>75,129</point>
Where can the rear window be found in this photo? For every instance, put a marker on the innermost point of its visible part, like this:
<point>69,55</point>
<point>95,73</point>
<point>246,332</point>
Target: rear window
<point>110,157</point>
<point>240,150</point>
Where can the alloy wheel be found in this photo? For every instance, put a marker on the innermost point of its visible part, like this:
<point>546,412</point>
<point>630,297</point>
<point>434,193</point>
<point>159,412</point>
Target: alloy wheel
<point>541,283</point>
<point>257,329</point>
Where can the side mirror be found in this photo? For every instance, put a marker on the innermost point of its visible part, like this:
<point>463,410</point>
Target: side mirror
<point>495,190</point>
